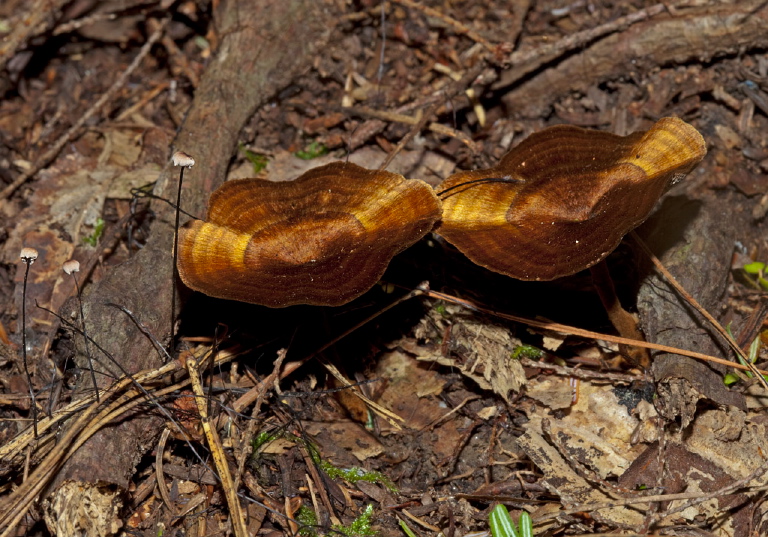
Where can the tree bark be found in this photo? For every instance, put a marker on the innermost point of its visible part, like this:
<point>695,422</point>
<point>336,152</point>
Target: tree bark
<point>264,46</point>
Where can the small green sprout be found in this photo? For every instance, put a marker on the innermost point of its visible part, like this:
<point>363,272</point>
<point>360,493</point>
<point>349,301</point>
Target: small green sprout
<point>98,230</point>
<point>408,531</point>
<point>307,518</point>
<point>754,352</point>
<point>313,150</point>
<point>502,524</point>
<point>355,474</point>
<point>359,527</point>
<point>731,378</point>
<point>352,475</point>
<point>527,351</point>
<point>261,439</point>
<point>440,308</point>
<point>258,160</point>
<point>757,271</point>
<point>201,42</point>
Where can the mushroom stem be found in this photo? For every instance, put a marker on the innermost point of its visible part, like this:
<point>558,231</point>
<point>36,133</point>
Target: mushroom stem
<point>28,256</point>
<point>181,159</point>
<point>624,322</point>
<point>71,267</point>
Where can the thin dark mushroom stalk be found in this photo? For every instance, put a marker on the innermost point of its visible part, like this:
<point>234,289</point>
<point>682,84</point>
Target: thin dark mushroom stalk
<point>181,159</point>
<point>563,199</point>
<point>71,267</point>
<point>28,256</point>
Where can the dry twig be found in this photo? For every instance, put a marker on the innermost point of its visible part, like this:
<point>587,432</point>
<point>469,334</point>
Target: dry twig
<point>219,459</point>
<point>572,330</point>
<point>457,26</point>
<point>455,88</point>
<point>437,128</point>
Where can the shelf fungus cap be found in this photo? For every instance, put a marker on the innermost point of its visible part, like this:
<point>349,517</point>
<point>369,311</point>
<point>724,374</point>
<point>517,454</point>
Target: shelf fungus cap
<point>563,199</point>
<point>323,239</point>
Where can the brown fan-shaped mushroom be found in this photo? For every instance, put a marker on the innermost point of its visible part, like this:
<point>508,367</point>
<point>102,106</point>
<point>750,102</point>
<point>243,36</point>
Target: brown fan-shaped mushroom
<point>562,200</point>
<point>323,239</point>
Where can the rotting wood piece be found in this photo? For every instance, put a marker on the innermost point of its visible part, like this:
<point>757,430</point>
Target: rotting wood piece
<point>695,34</point>
<point>698,254</point>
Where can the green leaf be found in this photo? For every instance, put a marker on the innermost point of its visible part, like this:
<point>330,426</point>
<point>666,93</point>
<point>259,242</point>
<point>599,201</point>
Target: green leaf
<point>731,378</point>
<point>408,531</point>
<point>525,523</point>
<point>308,520</point>
<point>355,474</point>
<point>201,42</point>
<point>754,268</point>
<point>258,160</point>
<point>527,351</point>
<point>501,523</point>
<point>312,151</point>
<point>361,526</point>
<point>98,230</point>
<point>261,439</point>
<point>754,349</point>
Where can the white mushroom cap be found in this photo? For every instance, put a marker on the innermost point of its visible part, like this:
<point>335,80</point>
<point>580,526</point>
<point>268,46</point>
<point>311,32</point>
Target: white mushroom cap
<point>180,158</point>
<point>73,265</point>
<point>28,255</point>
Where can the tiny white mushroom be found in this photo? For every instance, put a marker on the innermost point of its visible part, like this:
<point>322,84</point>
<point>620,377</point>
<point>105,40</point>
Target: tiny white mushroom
<point>73,265</point>
<point>180,158</point>
<point>28,255</point>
